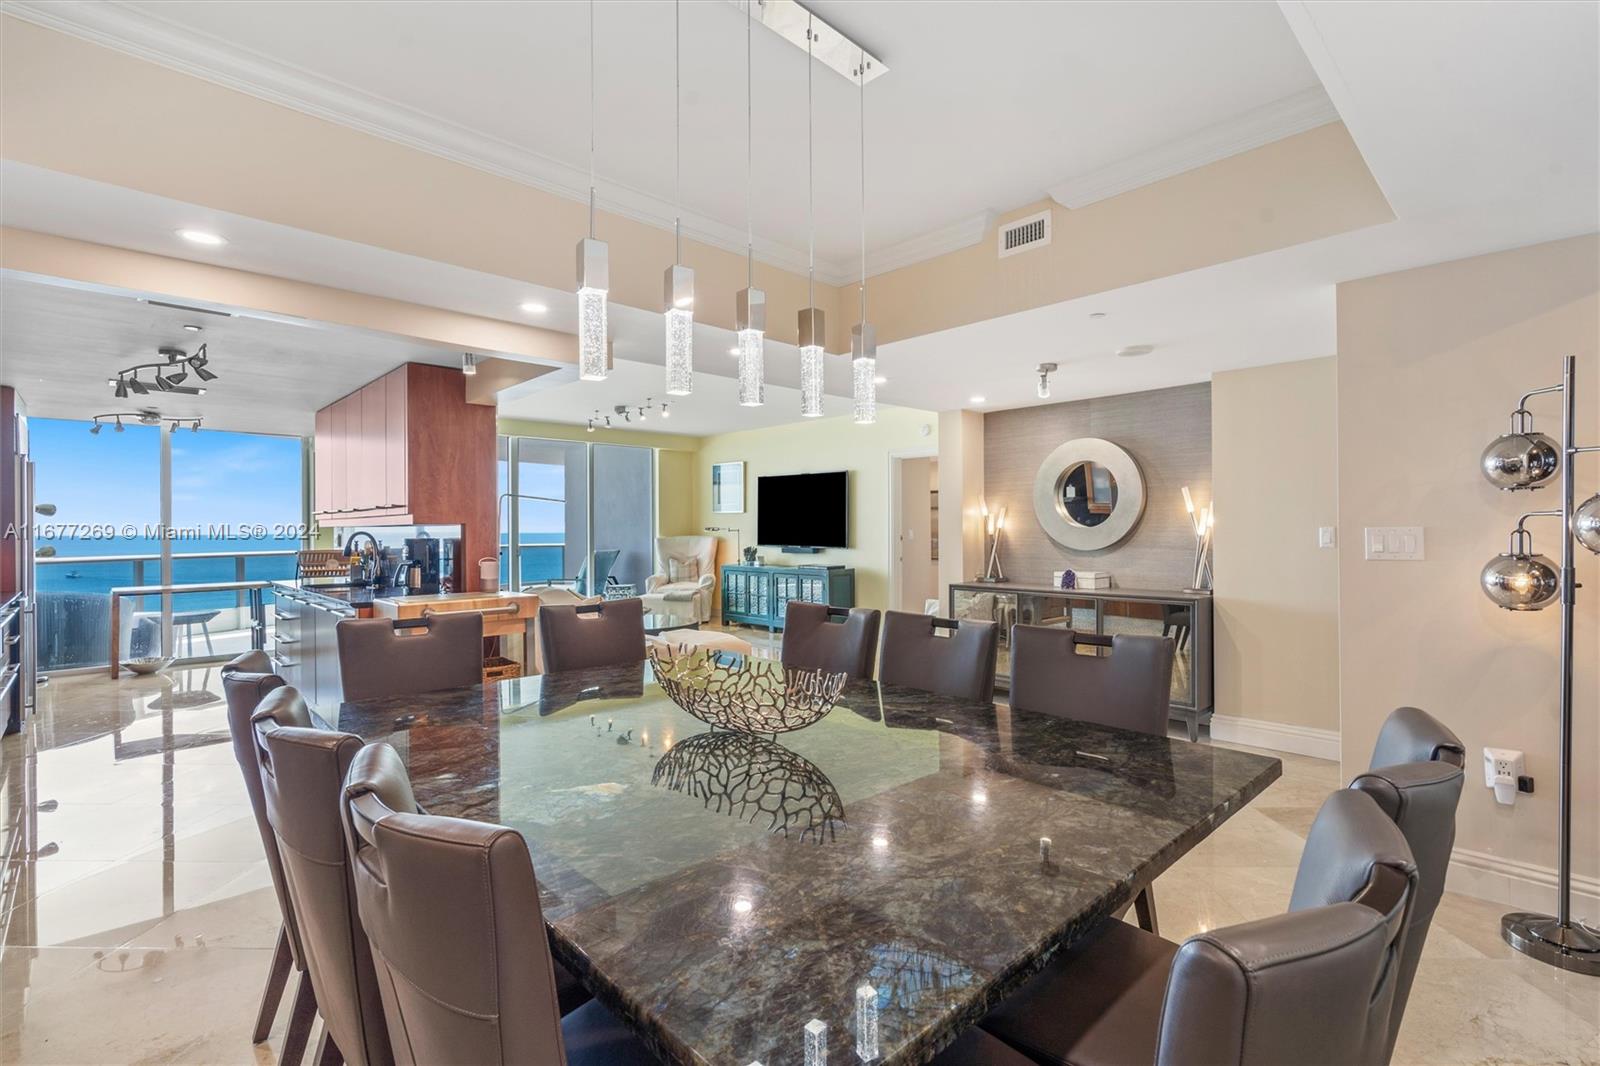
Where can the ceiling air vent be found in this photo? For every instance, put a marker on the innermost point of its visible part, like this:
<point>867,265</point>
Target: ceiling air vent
<point>1025,234</point>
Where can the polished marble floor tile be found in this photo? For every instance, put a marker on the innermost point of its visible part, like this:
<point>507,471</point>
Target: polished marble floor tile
<point>140,927</point>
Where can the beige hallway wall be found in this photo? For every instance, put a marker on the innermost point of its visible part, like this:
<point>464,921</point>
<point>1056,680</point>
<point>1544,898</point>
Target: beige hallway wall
<point>1430,363</point>
<point>1273,460</point>
<point>814,446</point>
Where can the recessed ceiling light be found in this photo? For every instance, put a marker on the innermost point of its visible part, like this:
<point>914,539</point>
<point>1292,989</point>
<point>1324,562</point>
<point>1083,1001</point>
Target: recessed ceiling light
<point>534,307</point>
<point>191,327</point>
<point>880,380</point>
<point>734,350</point>
<point>1136,349</point>
<point>976,399</point>
<point>200,236</point>
<point>1097,314</point>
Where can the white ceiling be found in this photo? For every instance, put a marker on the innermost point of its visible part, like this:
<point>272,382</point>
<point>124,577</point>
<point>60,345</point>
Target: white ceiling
<point>59,344</point>
<point>1028,97</point>
<point>1480,122</point>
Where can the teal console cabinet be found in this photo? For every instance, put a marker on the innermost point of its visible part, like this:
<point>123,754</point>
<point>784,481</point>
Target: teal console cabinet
<point>760,595</point>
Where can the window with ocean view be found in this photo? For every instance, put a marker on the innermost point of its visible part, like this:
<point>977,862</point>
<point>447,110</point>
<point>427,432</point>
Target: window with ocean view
<point>237,514</point>
<point>549,489</point>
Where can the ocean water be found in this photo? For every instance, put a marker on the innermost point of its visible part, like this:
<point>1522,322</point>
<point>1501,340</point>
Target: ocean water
<point>74,571</point>
<point>75,608</point>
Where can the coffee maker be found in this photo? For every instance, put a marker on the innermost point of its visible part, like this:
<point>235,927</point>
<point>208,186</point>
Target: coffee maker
<point>430,564</point>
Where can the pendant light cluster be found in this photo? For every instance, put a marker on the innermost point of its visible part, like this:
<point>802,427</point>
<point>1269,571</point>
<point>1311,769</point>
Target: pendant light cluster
<point>594,266</point>
<point>679,280</point>
<point>863,338</point>
<point>750,304</point>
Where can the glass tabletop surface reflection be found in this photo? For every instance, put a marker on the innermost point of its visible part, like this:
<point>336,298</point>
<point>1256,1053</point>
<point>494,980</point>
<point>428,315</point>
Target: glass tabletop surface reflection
<point>723,889</point>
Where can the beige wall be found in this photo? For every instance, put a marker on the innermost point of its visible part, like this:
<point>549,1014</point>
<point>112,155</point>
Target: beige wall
<point>919,576</point>
<point>819,445</point>
<point>1168,433</point>
<point>960,495</point>
<point>75,107</point>
<point>1314,184</point>
<point>1274,467</point>
<point>1430,363</point>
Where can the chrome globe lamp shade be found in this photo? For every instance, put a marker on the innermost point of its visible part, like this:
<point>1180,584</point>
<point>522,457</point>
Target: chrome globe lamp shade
<point>1586,523</point>
<point>1521,459</point>
<point>1519,579</point>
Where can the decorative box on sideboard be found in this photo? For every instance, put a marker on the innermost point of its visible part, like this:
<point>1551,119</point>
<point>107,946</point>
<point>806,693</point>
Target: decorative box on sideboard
<point>1186,617</point>
<point>760,595</point>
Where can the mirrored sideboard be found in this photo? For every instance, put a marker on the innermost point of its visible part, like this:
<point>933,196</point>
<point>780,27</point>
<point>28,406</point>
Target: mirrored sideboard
<point>1186,617</point>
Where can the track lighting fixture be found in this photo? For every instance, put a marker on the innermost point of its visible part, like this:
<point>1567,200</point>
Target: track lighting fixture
<point>167,376</point>
<point>1044,371</point>
<point>469,364</point>
<point>146,417</point>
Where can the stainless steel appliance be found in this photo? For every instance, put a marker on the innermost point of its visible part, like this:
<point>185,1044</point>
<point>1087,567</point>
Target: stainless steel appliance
<point>430,564</point>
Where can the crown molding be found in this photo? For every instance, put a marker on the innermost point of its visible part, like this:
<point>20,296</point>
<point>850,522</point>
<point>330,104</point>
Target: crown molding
<point>963,233</point>
<point>1271,122</point>
<point>157,40</point>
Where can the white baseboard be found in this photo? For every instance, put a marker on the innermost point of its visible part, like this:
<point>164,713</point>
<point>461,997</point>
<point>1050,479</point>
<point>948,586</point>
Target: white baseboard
<point>1260,733</point>
<point>1522,885</point>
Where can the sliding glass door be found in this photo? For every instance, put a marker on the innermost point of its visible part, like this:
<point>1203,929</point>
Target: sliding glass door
<point>579,515</point>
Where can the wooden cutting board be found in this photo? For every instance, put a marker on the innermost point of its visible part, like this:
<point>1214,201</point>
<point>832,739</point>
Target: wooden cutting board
<point>498,624</point>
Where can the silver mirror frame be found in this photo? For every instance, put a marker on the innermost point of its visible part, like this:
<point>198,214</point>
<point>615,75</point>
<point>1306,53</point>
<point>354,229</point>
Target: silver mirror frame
<point>1124,516</point>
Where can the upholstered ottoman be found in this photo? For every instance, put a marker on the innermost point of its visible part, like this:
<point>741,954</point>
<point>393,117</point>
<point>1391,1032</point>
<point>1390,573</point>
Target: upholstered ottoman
<point>699,639</point>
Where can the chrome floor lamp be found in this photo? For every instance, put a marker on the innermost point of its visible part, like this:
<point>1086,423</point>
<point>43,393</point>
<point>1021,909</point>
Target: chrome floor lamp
<point>1520,580</point>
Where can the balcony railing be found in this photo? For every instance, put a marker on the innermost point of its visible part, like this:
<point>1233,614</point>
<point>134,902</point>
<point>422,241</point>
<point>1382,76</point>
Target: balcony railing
<point>74,612</point>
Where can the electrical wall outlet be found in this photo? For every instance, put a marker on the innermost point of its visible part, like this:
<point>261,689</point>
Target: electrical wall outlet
<point>1503,769</point>
<point>1394,543</point>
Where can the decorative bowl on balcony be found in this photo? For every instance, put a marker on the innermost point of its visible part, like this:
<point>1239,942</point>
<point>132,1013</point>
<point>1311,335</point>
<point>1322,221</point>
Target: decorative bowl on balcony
<point>748,696</point>
<point>148,664</point>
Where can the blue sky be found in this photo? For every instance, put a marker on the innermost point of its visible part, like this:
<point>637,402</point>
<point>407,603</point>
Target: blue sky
<point>217,477</point>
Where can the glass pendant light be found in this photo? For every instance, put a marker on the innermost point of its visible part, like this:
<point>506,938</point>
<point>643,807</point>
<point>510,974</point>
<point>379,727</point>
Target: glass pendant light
<point>678,287</point>
<point>594,266</point>
<point>863,338</point>
<point>750,306</point>
<point>813,326</point>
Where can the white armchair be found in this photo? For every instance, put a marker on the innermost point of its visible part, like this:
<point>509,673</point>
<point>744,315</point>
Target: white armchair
<point>687,579</point>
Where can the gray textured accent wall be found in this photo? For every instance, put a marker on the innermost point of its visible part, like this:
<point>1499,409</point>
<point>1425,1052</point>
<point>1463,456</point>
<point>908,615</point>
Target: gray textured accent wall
<point>1167,431</point>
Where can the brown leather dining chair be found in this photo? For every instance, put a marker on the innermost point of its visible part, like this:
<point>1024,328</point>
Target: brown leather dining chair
<point>579,637</point>
<point>245,680</point>
<point>1313,985</point>
<point>1416,776</point>
<point>451,908</point>
<point>379,657</point>
<point>1129,689</point>
<point>302,777</point>
<point>916,655</point>
<point>834,639</point>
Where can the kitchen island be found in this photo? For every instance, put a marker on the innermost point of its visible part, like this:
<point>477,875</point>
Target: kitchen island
<point>305,648</point>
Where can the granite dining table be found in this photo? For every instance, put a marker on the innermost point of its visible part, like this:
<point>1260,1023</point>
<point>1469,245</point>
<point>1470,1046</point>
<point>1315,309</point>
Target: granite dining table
<point>722,891</point>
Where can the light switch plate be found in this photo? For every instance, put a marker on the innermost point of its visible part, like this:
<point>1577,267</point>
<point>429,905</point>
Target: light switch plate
<point>1394,543</point>
<point>1325,536</point>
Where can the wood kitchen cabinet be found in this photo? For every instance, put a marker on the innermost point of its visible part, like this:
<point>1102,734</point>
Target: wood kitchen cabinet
<point>408,449</point>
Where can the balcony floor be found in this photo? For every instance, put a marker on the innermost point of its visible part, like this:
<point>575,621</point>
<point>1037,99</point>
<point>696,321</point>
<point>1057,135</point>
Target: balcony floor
<point>143,930</point>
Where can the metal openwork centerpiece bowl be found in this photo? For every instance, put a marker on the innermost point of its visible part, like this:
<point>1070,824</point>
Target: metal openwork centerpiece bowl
<point>745,696</point>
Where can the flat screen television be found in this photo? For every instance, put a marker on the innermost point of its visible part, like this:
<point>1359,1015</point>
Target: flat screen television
<point>803,510</point>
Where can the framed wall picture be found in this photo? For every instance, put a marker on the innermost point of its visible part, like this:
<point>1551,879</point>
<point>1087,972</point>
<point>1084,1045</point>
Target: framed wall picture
<point>727,488</point>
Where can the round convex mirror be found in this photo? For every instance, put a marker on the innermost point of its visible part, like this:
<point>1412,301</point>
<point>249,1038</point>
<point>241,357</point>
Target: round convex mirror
<point>1088,493</point>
